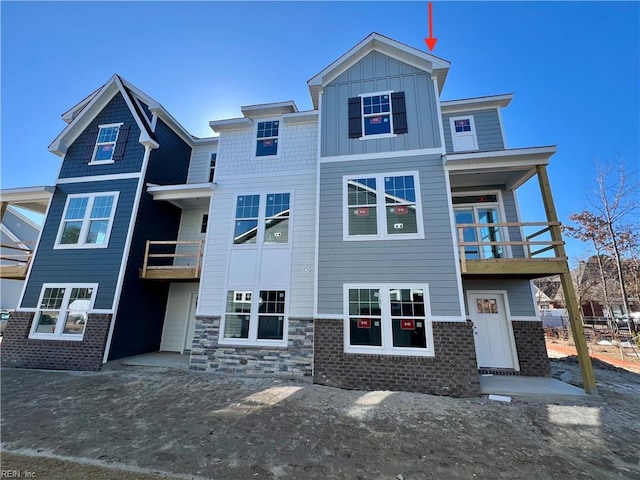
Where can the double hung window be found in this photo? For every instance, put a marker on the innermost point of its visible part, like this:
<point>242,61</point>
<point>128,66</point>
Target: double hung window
<point>387,319</point>
<point>62,311</point>
<point>87,220</point>
<point>267,138</point>
<point>377,114</point>
<point>382,206</point>
<point>262,218</point>
<point>253,318</point>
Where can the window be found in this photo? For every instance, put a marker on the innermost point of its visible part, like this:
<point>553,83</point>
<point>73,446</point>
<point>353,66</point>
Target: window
<point>87,220</point>
<point>267,138</point>
<point>387,319</point>
<point>378,114</point>
<point>62,311</point>
<point>269,225</point>
<point>463,133</point>
<point>258,319</point>
<point>480,210</point>
<point>106,143</point>
<point>382,206</point>
<point>212,166</point>
<point>205,222</point>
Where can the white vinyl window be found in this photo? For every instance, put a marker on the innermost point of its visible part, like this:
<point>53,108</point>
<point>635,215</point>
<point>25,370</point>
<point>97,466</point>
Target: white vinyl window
<point>87,220</point>
<point>254,319</point>
<point>463,133</point>
<point>62,311</point>
<point>262,218</point>
<point>382,206</point>
<point>483,210</point>
<point>106,143</point>
<point>267,138</point>
<point>376,114</point>
<point>387,319</point>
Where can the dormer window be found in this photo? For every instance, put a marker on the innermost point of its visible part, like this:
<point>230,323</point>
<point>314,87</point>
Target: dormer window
<point>267,138</point>
<point>106,143</point>
<point>379,114</point>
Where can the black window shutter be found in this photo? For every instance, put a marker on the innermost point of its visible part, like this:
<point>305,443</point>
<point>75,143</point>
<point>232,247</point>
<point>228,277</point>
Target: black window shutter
<point>355,118</point>
<point>91,144</point>
<point>399,110</point>
<point>121,143</point>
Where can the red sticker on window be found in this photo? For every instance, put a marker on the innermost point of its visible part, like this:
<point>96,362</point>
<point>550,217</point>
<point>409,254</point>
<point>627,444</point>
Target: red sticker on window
<point>407,324</point>
<point>107,148</point>
<point>362,212</point>
<point>364,323</point>
<point>401,210</point>
<point>376,120</point>
<point>267,143</point>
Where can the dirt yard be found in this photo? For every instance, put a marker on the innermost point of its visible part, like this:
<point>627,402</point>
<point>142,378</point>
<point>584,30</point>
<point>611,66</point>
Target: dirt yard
<point>146,423</point>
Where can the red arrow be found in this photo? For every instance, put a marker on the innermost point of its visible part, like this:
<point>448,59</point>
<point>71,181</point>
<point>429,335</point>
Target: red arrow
<point>431,42</point>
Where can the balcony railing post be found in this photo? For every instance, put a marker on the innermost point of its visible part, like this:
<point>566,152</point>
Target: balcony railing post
<point>146,259</point>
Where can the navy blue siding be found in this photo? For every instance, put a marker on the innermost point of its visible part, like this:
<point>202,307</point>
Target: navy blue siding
<point>115,111</point>
<point>169,164</point>
<point>140,315</point>
<point>82,265</point>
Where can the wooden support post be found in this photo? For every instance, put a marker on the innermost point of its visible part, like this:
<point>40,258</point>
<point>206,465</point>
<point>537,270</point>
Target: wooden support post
<point>586,368</point>
<point>3,209</point>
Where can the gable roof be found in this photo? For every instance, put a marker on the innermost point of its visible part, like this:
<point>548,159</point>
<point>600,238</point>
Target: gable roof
<point>80,115</point>
<point>438,67</point>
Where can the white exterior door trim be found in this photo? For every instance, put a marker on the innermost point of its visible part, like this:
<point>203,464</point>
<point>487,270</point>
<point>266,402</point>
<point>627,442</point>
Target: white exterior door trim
<point>191,319</point>
<point>506,322</point>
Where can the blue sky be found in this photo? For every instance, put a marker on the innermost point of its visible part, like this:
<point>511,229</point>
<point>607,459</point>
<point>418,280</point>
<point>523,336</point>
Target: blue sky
<point>573,67</point>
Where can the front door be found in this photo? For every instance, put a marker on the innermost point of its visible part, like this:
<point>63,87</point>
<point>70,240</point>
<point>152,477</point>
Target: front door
<point>191,322</point>
<point>493,337</point>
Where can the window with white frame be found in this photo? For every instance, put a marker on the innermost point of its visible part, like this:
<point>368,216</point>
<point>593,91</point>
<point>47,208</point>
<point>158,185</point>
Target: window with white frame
<point>212,166</point>
<point>62,311</point>
<point>87,220</point>
<point>377,114</point>
<point>463,133</point>
<point>106,143</point>
<point>382,206</point>
<point>254,318</point>
<point>267,138</point>
<point>387,319</point>
<point>483,211</point>
<point>262,218</point>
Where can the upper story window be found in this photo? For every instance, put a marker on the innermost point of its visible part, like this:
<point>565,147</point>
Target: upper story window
<point>382,206</point>
<point>87,220</point>
<point>62,311</point>
<point>212,166</point>
<point>268,224</point>
<point>483,211</point>
<point>267,138</point>
<point>378,114</point>
<point>106,144</point>
<point>463,133</point>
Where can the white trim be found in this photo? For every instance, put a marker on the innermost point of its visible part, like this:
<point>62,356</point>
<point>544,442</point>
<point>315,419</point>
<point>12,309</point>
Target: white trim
<point>102,162</point>
<point>98,178</point>
<point>448,318</point>
<point>86,221</point>
<point>381,208</point>
<point>58,333</point>
<point>192,294</point>
<point>230,124</point>
<point>507,318</point>
<point>93,160</point>
<point>390,133</point>
<point>330,316</point>
<point>472,133</point>
<point>454,243</point>
<point>126,251</point>
<point>477,103</point>
<point>525,318</point>
<point>382,155</point>
<point>494,154</point>
<point>439,113</point>
<point>387,347</point>
<point>316,254</point>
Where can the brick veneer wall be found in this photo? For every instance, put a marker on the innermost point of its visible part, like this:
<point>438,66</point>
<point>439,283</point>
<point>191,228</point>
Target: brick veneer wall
<point>18,350</point>
<point>453,370</point>
<point>296,359</point>
<point>532,350</point>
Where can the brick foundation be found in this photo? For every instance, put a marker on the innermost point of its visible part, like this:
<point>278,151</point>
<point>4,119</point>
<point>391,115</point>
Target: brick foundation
<point>294,360</point>
<point>453,370</point>
<point>18,350</point>
<point>532,350</point>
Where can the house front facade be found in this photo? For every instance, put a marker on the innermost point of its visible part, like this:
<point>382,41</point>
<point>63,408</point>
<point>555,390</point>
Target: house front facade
<point>373,242</point>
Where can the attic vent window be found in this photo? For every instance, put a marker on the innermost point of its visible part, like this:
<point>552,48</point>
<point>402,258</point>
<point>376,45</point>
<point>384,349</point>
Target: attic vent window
<point>377,115</point>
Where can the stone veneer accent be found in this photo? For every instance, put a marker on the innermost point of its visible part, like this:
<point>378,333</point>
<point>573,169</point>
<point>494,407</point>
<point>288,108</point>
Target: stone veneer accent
<point>294,360</point>
<point>453,370</point>
<point>532,350</point>
<point>18,350</point>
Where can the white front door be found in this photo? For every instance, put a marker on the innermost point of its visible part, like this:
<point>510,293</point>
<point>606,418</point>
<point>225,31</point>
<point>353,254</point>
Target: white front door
<point>191,322</point>
<point>493,337</point>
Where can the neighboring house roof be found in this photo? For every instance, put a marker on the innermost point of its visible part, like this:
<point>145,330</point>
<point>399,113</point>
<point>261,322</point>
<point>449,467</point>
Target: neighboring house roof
<point>31,198</point>
<point>438,67</point>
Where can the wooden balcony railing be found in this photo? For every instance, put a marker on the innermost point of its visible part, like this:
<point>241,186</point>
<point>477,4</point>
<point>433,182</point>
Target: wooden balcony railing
<point>172,260</point>
<point>18,262</point>
<point>497,256</point>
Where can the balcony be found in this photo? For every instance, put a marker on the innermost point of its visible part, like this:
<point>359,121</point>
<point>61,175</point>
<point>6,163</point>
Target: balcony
<point>483,251</point>
<point>15,261</point>
<point>172,260</point>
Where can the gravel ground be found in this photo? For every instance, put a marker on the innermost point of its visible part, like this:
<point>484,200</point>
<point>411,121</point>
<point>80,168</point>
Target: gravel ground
<point>150,423</point>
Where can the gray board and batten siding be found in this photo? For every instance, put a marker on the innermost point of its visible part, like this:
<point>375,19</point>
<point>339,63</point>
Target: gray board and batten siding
<point>488,131</point>
<point>430,260</point>
<point>377,72</point>
<point>82,265</point>
<point>518,293</point>
<point>75,163</point>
